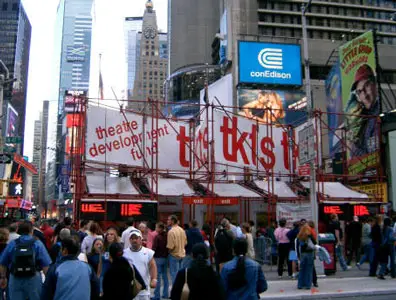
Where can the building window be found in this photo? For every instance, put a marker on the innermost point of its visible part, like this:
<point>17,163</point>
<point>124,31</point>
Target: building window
<point>5,6</point>
<point>147,53</point>
<point>152,53</point>
<point>15,6</point>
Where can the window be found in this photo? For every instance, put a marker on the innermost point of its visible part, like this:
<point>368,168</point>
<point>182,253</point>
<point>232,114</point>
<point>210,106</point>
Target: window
<point>5,6</point>
<point>152,53</point>
<point>15,6</point>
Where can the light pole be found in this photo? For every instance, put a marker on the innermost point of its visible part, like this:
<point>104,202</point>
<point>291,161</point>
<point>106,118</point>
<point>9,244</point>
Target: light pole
<point>308,91</point>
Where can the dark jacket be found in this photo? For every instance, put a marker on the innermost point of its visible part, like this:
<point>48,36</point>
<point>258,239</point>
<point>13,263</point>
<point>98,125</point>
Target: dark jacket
<point>54,252</point>
<point>292,235</point>
<point>223,244</point>
<point>376,235</point>
<point>159,245</point>
<point>194,236</point>
<point>70,279</point>
<point>117,280</point>
<point>202,281</point>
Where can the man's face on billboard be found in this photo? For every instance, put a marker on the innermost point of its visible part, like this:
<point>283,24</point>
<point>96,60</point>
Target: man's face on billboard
<point>366,92</point>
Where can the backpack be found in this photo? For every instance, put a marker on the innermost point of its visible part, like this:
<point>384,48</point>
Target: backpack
<point>24,259</point>
<point>222,241</point>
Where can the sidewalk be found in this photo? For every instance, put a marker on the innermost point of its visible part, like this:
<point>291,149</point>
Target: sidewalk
<point>332,288</point>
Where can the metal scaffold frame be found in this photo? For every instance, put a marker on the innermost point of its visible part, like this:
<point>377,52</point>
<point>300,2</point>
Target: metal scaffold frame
<point>205,171</point>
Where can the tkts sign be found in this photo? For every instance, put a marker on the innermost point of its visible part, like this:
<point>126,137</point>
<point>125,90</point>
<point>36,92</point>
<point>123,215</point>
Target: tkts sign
<point>238,142</point>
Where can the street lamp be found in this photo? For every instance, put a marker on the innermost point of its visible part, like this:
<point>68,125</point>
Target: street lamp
<point>304,8</point>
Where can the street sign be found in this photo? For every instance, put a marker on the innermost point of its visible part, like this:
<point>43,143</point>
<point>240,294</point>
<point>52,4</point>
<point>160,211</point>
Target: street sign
<point>5,159</point>
<point>306,144</point>
<point>13,140</point>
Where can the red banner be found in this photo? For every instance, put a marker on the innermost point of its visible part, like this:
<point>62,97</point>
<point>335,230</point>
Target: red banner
<point>210,200</point>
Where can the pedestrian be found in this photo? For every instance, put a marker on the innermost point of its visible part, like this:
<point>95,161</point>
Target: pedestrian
<point>55,251</point>
<point>223,245</point>
<point>111,237</point>
<point>366,241</point>
<point>67,221</point>
<point>127,232</point>
<point>242,277</point>
<point>13,228</point>
<point>24,258</point>
<point>117,279</point>
<point>315,236</point>
<point>176,243</point>
<point>161,260</point>
<point>194,236</point>
<point>252,229</point>
<point>283,248</point>
<point>246,230</point>
<point>94,233</point>
<point>83,231</point>
<point>305,249</point>
<point>335,228</point>
<point>355,237</point>
<point>292,236</point>
<point>4,237</point>
<point>70,279</point>
<point>152,232</point>
<point>38,234</point>
<point>48,234</point>
<point>376,241</point>
<point>387,252</point>
<point>274,244</point>
<point>201,279</point>
<point>98,261</point>
<point>144,230</point>
<point>143,259</point>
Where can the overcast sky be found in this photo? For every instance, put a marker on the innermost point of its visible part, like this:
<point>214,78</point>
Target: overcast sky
<point>42,14</point>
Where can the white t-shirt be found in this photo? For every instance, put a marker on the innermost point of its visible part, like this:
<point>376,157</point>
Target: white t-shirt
<point>141,261</point>
<point>125,236</point>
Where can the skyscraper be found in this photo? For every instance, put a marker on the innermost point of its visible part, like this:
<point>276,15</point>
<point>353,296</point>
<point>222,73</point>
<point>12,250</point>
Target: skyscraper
<point>192,26</point>
<point>132,26</point>
<point>36,157</point>
<point>15,35</point>
<point>152,60</point>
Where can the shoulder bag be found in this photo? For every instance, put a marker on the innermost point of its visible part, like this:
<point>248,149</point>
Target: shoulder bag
<point>136,285</point>
<point>185,291</point>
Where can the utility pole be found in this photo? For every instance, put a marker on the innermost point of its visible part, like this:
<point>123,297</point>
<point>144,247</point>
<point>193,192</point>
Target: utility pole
<point>314,204</point>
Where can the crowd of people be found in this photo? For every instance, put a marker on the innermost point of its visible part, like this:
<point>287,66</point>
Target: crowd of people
<point>65,262</point>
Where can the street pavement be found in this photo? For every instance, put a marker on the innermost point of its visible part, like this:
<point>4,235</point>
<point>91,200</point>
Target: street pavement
<point>351,284</point>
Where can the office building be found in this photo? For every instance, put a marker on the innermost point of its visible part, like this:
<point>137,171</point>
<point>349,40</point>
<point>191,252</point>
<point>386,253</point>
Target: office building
<point>192,27</point>
<point>36,158</point>
<point>15,35</point>
<point>132,26</point>
<point>152,60</point>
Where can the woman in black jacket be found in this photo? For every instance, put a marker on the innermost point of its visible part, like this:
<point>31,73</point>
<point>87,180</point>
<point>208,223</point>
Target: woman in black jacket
<point>202,280</point>
<point>117,280</point>
<point>376,241</point>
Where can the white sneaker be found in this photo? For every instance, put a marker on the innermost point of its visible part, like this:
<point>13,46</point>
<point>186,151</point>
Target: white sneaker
<point>349,267</point>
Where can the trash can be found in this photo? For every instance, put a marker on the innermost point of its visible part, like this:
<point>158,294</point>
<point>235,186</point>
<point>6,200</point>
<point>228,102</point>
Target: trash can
<point>328,241</point>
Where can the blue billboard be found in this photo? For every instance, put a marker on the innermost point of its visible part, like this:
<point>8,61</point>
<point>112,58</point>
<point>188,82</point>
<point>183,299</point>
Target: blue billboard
<point>268,63</point>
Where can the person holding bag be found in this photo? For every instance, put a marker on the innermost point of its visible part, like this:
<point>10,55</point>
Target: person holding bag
<point>199,281</point>
<point>306,250</point>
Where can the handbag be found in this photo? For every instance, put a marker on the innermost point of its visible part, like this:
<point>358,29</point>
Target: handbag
<point>185,291</point>
<point>136,285</point>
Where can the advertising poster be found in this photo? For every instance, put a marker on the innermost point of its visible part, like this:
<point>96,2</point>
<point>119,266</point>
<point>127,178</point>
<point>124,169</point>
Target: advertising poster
<point>361,101</point>
<point>269,63</point>
<point>293,212</point>
<point>285,107</point>
<point>334,107</point>
<point>12,121</point>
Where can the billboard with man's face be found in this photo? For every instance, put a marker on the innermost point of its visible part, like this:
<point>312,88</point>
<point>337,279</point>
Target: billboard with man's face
<point>273,107</point>
<point>361,103</point>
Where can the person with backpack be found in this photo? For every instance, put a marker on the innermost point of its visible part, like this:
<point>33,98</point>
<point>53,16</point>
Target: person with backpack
<point>242,277</point>
<point>306,252</point>
<point>70,279</point>
<point>24,258</point>
<point>223,244</point>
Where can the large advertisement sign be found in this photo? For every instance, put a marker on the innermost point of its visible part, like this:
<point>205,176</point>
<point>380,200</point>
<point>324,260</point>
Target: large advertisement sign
<point>334,107</point>
<point>269,63</point>
<point>76,53</point>
<point>273,107</point>
<point>361,102</point>
<point>293,212</point>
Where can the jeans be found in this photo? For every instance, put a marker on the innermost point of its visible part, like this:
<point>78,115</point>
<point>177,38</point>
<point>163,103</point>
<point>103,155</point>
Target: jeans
<point>340,256</point>
<point>366,254</point>
<point>175,264</point>
<point>162,268</point>
<point>306,270</point>
<point>25,288</point>
<point>374,253</point>
<point>187,261</point>
<point>355,250</point>
<point>283,254</point>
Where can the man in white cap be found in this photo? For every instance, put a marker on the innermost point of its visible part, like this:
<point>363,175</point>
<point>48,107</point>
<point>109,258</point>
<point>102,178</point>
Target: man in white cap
<point>143,259</point>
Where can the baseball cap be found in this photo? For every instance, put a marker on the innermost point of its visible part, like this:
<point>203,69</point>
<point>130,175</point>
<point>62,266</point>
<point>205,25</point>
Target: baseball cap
<point>364,72</point>
<point>136,232</point>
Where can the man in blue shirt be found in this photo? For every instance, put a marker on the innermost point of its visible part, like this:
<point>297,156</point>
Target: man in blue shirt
<point>194,236</point>
<point>70,279</point>
<point>242,277</point>
<point>25,286</point>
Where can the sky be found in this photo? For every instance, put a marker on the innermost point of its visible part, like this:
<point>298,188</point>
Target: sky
<point>110,43</point>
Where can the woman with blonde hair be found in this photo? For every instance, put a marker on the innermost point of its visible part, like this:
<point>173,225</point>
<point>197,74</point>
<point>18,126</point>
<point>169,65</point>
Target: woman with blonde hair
<point>246,230</point>
<point>306,250</point>
<point>111,237</point>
